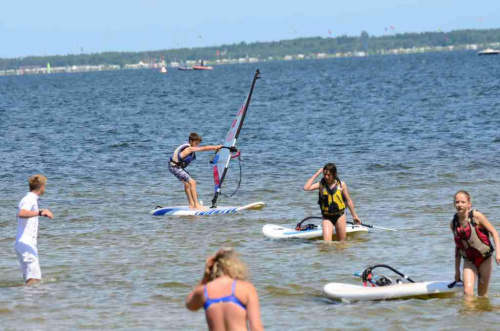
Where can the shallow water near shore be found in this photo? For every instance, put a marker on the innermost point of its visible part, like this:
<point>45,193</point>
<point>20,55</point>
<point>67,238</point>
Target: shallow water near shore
<point>406,132</point>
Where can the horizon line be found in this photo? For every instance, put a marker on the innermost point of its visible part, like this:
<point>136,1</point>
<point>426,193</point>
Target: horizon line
<point>390,34</point>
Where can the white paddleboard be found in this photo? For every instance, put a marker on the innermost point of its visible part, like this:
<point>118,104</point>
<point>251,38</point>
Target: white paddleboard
<point>280,232</point>
<point>185,211</point>
<point>348,292</point>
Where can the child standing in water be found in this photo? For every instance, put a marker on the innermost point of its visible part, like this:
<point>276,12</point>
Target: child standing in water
<point>181,158</point>
<point>228,299</point>
<point>333,198</point>
<point>471,231</point>
<point>27,229</point>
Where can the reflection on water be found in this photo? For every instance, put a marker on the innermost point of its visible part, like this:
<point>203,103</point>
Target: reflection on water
<point>11,283</point>
<point>333,246</point>
<point>474,304</point>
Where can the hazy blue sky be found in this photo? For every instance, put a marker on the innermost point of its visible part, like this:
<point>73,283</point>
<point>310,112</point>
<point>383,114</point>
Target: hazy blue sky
<point>36,27</point>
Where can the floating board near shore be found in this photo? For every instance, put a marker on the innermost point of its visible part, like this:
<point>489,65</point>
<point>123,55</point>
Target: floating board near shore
<point>185,211</point>
<point>280,232</point>
<point>349,292</point>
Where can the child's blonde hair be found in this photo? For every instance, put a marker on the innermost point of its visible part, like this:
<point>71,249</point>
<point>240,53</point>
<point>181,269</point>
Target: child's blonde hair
<point>36,182</point>
<point>227,263</point>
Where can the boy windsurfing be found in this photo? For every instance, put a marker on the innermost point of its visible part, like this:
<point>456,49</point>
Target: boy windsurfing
<point>181,158</point>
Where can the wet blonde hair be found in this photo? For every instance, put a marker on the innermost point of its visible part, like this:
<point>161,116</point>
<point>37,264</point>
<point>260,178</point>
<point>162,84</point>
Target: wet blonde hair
<point>463,192</point>
<point>36,182</point>
<point>227,263</point>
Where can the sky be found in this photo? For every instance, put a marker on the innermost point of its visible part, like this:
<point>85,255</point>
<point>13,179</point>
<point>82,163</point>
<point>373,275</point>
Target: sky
<point>60,27</point>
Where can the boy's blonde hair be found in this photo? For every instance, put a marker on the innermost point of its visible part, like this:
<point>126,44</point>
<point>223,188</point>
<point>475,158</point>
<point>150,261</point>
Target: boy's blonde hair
<point>227,263</point>
<point>36,182</point>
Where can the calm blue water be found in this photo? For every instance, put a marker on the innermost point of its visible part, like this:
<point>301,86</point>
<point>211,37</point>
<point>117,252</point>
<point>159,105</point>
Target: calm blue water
<point>405,131</point>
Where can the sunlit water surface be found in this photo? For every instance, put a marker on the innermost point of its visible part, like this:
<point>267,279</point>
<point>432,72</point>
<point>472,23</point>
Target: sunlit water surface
<point>405,131</point>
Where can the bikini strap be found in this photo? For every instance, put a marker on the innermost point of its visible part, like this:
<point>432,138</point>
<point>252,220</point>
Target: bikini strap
<point>234,287</point>
<point>206,293</point>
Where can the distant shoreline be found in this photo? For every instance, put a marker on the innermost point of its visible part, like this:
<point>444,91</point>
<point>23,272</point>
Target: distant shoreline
<point>285,50</point>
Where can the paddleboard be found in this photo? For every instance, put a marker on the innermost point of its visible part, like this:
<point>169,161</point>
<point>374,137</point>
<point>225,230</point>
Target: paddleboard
<point>185,211</point>
<point>280,232</point>
<point>348,292</point>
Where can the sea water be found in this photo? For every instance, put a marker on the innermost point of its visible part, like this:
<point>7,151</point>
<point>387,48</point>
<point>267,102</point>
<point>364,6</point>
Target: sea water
<point>406,132</point>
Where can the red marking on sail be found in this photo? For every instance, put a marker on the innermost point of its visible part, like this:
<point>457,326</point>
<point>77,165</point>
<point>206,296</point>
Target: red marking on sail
<point>221,160</point>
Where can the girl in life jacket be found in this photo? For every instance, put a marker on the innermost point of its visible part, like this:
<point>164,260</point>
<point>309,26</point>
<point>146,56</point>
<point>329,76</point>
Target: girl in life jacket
<point>471,231</point>
<point>333,199</point>
<point>180,159</point>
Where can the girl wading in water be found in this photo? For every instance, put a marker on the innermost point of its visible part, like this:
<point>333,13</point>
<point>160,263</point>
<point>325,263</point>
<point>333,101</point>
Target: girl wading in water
<point>471,231</point>
<point>333,199</point>
<point>228,299</point>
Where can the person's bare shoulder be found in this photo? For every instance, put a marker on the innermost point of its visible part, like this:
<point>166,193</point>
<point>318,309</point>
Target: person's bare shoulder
<point>478,217</point>
<point>246,287</point>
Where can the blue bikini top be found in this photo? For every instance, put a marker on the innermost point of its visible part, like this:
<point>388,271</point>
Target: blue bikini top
<point>230,298</point>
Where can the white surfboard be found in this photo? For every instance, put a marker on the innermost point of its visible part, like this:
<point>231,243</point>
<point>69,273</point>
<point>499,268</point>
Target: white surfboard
<point>185,211</point>
<point>348,292</point>
<point>280,232</point>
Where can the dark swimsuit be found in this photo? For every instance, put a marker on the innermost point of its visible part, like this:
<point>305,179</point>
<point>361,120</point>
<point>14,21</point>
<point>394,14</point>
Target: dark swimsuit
<point>333,218</point>
<point>230,298</point>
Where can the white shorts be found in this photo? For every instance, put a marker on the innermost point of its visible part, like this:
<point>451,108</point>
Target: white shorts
<point>28,257</point>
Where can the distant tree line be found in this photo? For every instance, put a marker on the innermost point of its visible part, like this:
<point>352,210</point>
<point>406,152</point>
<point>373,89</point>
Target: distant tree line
<point>276,49</point>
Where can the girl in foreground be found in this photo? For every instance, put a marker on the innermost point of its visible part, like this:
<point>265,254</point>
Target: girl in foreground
<point>333,198</point>
<point>471,230</point>
<point>229,301</point>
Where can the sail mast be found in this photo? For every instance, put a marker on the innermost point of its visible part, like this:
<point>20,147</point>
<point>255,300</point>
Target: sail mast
<point>231,142</point>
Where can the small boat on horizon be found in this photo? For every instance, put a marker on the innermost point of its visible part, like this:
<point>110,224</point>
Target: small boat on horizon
<point>489,51</point>
<point>184,68</point>
<point>202,66</point>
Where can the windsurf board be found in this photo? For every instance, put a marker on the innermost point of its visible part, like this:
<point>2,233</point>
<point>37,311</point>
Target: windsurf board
<point>349,292</point>
<point>280,232</point>
<point>185,211</point>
